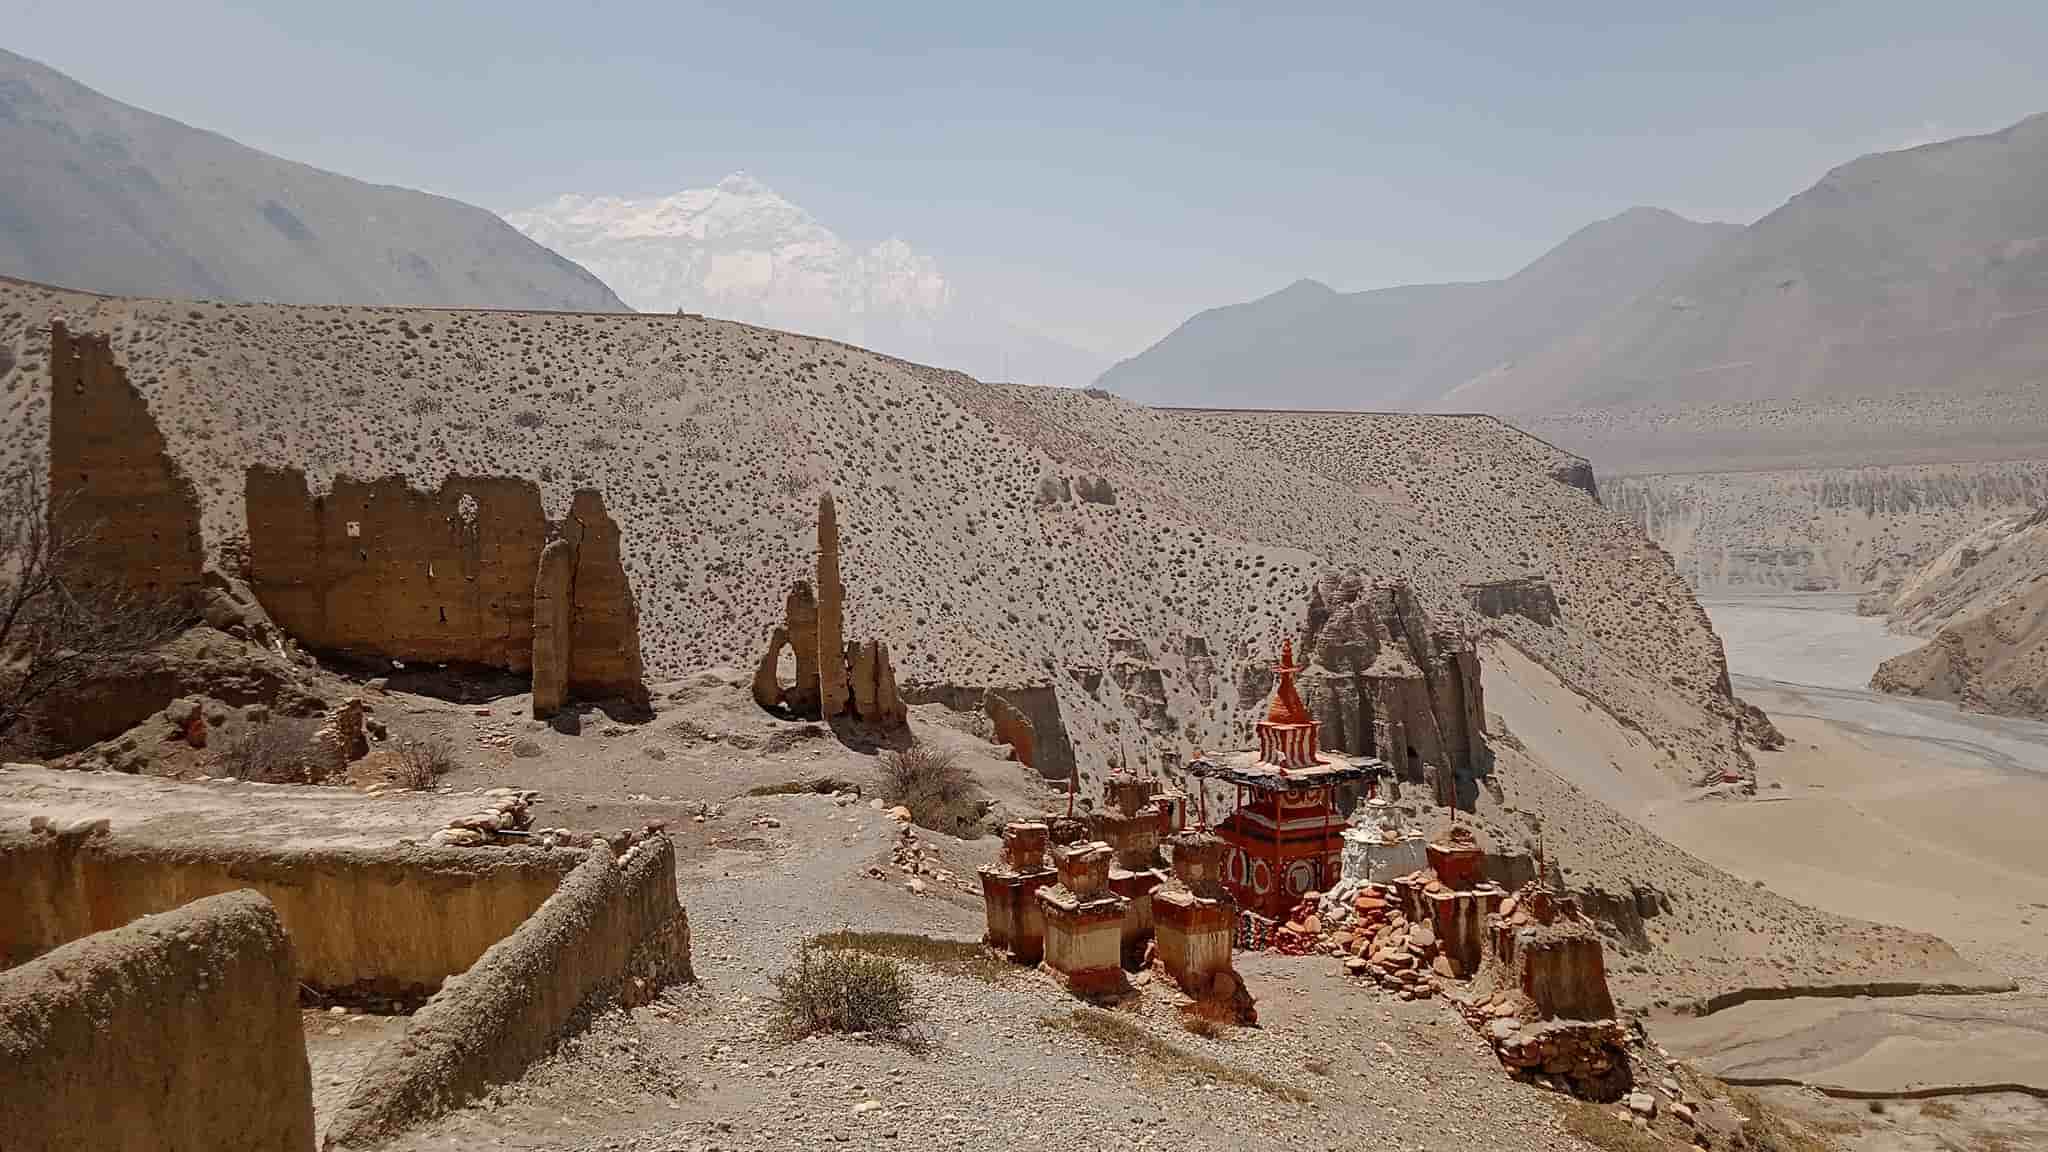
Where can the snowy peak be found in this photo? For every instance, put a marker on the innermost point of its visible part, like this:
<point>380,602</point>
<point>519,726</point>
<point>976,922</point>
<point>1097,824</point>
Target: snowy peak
<point>740,251</point>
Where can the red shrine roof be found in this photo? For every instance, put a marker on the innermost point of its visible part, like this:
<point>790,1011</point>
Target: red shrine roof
<point>1287,706</point>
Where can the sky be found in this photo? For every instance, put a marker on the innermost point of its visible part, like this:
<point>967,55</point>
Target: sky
<point>1105,169</point>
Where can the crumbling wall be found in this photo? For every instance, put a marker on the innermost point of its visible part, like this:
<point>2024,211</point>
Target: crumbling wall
<point>553,603</point>
<point>604,625</point>
<point>834,676</point>
<point>112,484</point>
<point>613,930</point>
<point>381,569</point>
<point>176,1032</point>
<point>384,923</point>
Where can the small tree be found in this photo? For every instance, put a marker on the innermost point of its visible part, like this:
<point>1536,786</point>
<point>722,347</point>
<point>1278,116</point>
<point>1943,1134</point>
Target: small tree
<point>934,785</point>
<point>59,630</point>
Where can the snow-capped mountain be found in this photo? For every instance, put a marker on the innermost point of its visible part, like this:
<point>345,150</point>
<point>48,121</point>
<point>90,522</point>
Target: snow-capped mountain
<point>740,251</point>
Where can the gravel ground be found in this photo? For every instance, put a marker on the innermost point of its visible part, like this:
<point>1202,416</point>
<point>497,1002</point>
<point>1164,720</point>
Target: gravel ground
<point>1334,1063</point>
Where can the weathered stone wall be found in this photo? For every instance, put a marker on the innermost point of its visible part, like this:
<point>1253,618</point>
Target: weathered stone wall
<point>367,923</point>
<point>383,570</point>
<point>111,482</point>
<point>613,930</point>
<point>179,1031</point>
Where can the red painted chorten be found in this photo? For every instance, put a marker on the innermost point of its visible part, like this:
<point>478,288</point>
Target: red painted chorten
<point>1284,838</point>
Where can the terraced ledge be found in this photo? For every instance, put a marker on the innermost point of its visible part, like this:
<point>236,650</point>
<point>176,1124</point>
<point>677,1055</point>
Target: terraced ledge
<point>1964,986</point>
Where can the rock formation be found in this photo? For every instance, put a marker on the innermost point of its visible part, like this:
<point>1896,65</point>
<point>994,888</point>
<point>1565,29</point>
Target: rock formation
<point>1385,683</point>
<point>113,487</point>
<point>834,676</point>
<point>1984,602</point>
<point>459,575</point>
<point>1529,597</point>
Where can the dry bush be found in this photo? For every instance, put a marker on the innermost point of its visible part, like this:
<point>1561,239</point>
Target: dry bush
<point>59,630</point>
<point>280,751</point>
<point>834,988</point>
<point>422,762</point>
<point>934,785</point>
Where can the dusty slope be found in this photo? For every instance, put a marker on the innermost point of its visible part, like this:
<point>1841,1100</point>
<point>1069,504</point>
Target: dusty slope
<point>107,197</point>
<point>710,442</point>
<point>1307,346</point>
<point>1985,603</point>
<point>1924,269</point>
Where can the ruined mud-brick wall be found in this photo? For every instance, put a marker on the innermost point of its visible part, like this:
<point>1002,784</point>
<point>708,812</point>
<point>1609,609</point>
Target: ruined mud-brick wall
<point>613,932</point>
<point>112,484</point>
<point>450,576</point>
<point>178,1032</point>
<point>380,568</point>
<point>370,923</point>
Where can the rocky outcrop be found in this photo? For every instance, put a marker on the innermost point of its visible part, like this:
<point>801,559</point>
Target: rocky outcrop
<point>1985,603</point>
<point>1578,474</point>
<point>382,570</point>
<point>1529,597</point>
<point>834,676</point>
<point>1026,717</point>
<point>1385,683</point>
<point>113,487</point>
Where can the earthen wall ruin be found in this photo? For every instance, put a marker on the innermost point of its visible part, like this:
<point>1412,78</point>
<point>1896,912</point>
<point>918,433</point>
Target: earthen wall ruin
<point>178,1032</point>
<point>381,569</point>
<point>112,484</point>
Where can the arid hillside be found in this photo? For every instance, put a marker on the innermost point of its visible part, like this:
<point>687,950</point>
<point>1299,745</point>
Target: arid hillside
<point>1984,605</point>
<point>1142,563</point>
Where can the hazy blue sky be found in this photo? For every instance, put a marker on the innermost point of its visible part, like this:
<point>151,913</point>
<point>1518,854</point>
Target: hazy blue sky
<point>1108,168</point>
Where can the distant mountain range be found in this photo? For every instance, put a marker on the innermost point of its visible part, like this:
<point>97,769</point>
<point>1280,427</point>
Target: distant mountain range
<point>740,251</point>
<point>1307,346</point>
<point>1919,270</point>
<point>98,195</point>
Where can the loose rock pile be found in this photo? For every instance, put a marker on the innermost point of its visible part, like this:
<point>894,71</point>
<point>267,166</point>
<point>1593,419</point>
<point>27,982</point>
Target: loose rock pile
<point>1361,922</point>
<point>505,820</point>
<point>917,861</point>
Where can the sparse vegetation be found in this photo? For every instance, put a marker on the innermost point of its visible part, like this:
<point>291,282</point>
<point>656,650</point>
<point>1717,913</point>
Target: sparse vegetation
<point>934,785</point>
<point>834,987</point>
<point>946,957</point>
<point>278,751</point>
<point>1131,1038</point>
<point>57,630</point>
<point>422,762</point>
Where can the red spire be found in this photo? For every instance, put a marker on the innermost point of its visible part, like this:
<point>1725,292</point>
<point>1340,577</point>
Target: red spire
<point>1287,706</point>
